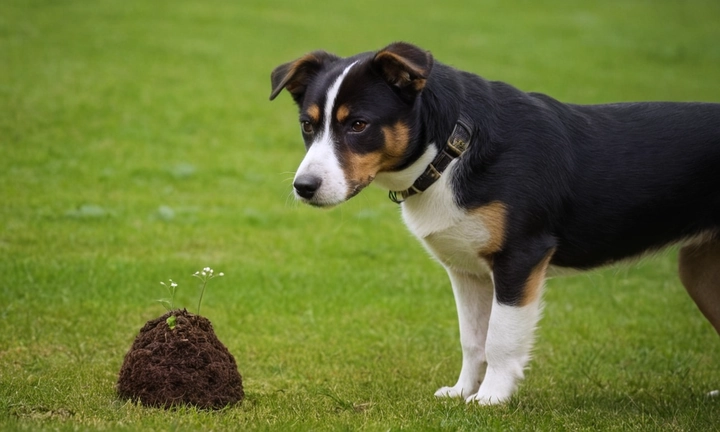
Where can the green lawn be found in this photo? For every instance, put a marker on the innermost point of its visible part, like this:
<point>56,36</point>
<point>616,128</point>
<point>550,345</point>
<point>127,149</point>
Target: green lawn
<point>137,144</point>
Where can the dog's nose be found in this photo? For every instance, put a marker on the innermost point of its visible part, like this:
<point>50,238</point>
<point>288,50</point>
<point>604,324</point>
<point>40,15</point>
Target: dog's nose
<point>306,185</point>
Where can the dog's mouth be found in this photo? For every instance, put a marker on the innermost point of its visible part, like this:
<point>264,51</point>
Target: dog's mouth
<point>326,196</point>
<point>318,202</point>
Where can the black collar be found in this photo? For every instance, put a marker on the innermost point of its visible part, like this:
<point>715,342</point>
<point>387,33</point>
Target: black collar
<point>456,145</point>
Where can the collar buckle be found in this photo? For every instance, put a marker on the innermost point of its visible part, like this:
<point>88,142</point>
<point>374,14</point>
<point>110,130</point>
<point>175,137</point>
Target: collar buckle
<point>393,195</point>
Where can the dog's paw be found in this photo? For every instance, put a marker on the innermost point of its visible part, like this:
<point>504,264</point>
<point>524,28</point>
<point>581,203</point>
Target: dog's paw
<point>486,399</point>
<point>498,386</point>
<point>490,394</point>
<point>450,392</point>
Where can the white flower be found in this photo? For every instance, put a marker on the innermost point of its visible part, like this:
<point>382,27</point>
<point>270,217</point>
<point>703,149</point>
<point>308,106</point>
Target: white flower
<point>173,284</point>
<point>221,274</point>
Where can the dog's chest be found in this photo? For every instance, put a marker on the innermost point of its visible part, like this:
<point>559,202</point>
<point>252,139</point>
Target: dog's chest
<point>454,236</point>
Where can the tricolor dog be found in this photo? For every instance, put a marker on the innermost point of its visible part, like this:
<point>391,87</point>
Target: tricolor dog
<point>500,185</point>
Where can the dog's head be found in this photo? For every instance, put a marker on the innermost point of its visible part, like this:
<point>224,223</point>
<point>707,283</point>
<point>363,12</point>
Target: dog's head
<point>357,116</point>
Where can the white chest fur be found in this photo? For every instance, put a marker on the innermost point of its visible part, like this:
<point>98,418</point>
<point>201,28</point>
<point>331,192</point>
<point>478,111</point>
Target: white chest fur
<point>452,235</point>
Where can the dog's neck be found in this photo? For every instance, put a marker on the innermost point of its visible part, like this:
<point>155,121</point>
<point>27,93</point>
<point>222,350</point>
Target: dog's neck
<point>403,179</point>
<point>455,146</point>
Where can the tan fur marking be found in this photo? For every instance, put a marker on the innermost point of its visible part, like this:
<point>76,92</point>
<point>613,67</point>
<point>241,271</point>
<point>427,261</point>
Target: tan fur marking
<point>364,166</point>
<point>397,138</point>
<point>362,169</point>
<point>419,84</point>
<point>535,281</point>
<point>342,113</point>
<point>494,216</point>
<point>314,112</point>
<point>699,266</point>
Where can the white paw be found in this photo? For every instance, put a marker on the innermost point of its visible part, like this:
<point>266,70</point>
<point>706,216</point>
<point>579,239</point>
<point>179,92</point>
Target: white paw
<point>498,386</point>
<point>486,399</point>
<point>496,389</point>
<point>450,392</point>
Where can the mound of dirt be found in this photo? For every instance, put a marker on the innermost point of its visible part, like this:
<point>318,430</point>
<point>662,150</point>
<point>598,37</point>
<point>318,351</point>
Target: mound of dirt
<point>184,365</point>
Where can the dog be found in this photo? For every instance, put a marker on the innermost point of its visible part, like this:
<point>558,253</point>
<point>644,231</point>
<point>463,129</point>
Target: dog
<point>502,186</point>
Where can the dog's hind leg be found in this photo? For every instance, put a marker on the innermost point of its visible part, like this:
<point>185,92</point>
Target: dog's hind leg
<point>473,298</point>
<point>700,274</point>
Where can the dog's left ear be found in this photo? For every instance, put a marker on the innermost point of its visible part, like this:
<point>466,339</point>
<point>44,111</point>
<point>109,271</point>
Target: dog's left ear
<point>404,66</point>
<point>296,75</point>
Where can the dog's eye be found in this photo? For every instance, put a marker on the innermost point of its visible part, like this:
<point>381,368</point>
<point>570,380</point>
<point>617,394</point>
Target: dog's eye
<point>358,126</point>
<point>307,127</point>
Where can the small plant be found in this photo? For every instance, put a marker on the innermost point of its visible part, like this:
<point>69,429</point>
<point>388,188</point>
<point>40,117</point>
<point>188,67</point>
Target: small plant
<point>169,303</point>
<point>172,288</point>
<point>171,321</point>
<point>205,275</point>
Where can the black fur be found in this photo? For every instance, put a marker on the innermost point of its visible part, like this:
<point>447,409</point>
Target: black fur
<point>598,183</point>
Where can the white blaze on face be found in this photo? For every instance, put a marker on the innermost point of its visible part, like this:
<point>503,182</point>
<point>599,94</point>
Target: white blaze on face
<point>321,159</point>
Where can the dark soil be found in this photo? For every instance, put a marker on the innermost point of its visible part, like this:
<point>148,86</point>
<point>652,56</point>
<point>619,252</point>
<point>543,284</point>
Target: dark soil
<point>185,365</point>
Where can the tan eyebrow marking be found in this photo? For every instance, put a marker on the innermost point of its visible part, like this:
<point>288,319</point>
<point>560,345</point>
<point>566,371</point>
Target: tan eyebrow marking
<point>314,112</point>
<point>342,113</point>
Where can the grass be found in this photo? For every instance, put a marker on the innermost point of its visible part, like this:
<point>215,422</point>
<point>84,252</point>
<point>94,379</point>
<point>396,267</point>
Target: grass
<point>138,145</point>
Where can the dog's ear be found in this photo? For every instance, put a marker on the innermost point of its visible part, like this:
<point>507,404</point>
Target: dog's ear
<point>296,75</point>
<point>404,66</point>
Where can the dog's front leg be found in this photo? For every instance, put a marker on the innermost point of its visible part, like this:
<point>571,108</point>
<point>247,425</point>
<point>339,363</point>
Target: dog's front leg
<point>518,278</point>
<point>473,298</point>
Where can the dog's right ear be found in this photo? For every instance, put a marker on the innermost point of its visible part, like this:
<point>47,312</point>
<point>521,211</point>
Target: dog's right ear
<point>296,75</point>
